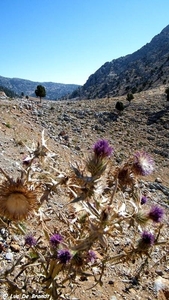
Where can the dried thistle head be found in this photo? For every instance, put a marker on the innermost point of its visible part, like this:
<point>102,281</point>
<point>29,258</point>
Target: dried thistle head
<point>38,151</point>
<point>143,164</point>
<point>124,176</point>
<point>17,200</point>
<point>141,217</point>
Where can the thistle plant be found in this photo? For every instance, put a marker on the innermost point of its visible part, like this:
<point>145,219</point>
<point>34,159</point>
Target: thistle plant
<point>101,202</point>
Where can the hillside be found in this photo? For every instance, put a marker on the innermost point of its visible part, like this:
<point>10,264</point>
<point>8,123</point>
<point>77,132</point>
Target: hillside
<point>53,90</point>
<point>144,69</point>
<point>77,124</point>
<point>72,127</point>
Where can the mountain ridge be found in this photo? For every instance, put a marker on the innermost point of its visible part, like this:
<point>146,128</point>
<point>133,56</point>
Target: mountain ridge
<point>54,91</point>
<point>141,70</point>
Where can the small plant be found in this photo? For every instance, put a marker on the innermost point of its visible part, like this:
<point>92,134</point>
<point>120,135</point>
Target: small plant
<point>8,125</point>
<point>105,202</point>
<point>119,106</point>
<point>129,97</point>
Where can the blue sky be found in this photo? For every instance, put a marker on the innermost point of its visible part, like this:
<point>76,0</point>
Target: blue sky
<point>66,41</point>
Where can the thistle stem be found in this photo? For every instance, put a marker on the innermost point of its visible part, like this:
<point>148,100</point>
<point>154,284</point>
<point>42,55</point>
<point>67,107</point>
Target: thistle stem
<point>114,191</point>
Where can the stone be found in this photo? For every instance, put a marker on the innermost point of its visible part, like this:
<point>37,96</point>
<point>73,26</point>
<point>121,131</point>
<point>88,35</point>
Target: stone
<point>158,179</point>
<point>15,247</point>
<point>9,256</point>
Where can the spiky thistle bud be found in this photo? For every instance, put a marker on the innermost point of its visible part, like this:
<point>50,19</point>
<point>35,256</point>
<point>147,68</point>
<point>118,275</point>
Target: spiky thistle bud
<point>64,256</point>
<point>96,164</point>
<point>102,149</point>
<point>156,214</point>
<point>30,240</point>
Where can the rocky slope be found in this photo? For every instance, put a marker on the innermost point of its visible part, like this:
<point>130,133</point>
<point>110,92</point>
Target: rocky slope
<point>143,124</point>
<point>144,69</point>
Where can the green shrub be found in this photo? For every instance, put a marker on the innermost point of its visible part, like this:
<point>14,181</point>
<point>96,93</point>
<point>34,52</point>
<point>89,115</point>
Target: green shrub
<point>129,97</point>
<point>119,106</point>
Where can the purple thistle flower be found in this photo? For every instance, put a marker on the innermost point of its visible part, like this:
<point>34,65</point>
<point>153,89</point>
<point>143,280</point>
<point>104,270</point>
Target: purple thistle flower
<point>30,240</point>
<point>102,149</point>
<point>64,256</point>
<point>143,200</point>
<point>91,256</point>
<point>56,239</point>
<point>156,214</point>
<point>147,239</point>
<point>143,164</point>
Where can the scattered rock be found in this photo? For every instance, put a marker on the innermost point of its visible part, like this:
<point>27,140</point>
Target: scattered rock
<point>161,286</point>
<point>158,179</point>
<point>15,247</point>
<point>9,256</point>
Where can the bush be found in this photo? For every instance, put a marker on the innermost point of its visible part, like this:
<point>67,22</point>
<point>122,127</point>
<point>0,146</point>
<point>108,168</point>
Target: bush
<point>129,97</point>
<point>119,106</point>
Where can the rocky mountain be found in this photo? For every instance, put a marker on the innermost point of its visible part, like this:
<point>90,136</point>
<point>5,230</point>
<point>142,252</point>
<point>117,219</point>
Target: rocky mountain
<point>54,91</point>
<point>142,70</point>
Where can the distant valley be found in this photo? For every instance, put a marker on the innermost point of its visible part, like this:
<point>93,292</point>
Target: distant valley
<point>54,91</point>
<point>142,70</point>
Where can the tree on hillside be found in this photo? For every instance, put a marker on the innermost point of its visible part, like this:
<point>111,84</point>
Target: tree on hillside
<point>129,97</point>
<point>119,106</point>
<point>40,91</point>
